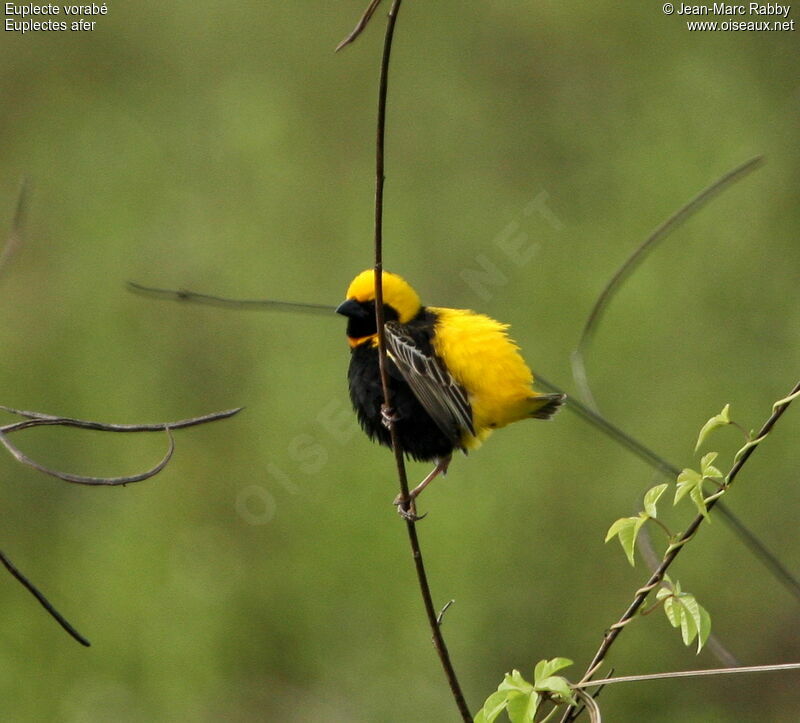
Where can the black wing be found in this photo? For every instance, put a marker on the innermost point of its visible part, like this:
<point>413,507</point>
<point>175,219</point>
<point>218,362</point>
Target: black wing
<point>441,396</point>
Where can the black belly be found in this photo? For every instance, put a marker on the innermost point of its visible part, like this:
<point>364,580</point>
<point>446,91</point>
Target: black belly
<point>419,435</point>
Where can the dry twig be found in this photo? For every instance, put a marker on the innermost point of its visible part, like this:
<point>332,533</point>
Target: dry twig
<point>209,300</point>
<point>37,419</point>
<point>360,25</point>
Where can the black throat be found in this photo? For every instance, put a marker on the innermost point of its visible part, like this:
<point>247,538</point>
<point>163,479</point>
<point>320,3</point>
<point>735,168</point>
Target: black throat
<point>362,322</point>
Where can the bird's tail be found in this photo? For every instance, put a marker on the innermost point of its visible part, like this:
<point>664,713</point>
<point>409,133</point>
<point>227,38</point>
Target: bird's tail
<point>544,406</point>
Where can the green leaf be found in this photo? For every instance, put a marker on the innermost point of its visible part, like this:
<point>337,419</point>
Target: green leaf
<point>495,704</point>
<point>706,467</point>
<point>522,707</point>
<point>684,612</point>
<point>546,668</point>
<point>688,480</point>
<point>514,681</point>
<point>704,628</point>
<point>718,420</point>
<point>692,607</point>
<point>615,528</point>
<point>673,611</point>
<point>627,529</point>
<point>663,592</point>
<point>651,497</point>
<point>699,501</point>
<point>688,629</point>
<point>690,620</point>
<point>558,686</point>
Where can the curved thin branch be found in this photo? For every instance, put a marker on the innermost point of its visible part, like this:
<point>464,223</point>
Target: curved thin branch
<point>737,670</point>
<point>360,25</point>
<point>438,639</point>
<point>38,419</point>
<point>700,200</point>
<point>655,579</point>
<point>209,300</point>
<point>590,705</point>
<point>20,456</point>
<point>43,601</point>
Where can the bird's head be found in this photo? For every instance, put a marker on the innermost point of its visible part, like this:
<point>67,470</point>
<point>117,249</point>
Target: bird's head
<point>400,303</point>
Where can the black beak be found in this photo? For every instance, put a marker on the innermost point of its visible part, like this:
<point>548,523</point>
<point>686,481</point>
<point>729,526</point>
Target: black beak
<point>352,309</point>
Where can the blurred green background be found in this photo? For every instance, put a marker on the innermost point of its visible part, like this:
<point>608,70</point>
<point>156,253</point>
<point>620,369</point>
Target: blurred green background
<point>264,575</point>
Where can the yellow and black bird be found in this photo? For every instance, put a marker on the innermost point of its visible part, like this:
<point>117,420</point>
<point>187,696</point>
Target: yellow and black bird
<point>454,375</point>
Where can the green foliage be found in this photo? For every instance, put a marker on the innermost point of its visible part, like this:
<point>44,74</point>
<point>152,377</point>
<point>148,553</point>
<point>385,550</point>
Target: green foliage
<point>684,612</point>
<point>521,699</point>
<point>681,608</point>
<point>627,530</point>
<point>651,498</point>
<point>718,420</point>
<point>691,482</point>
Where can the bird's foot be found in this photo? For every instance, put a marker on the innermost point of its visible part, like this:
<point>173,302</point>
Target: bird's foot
<point>410,513</point>
<point>388,417</point>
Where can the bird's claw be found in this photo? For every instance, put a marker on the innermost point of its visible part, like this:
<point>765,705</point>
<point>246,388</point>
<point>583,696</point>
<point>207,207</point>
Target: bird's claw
<point>409,514</point>
<point>388,417</point>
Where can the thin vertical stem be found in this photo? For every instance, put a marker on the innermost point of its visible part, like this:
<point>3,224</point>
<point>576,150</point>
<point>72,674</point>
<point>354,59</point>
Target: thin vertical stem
<point>438,639</point>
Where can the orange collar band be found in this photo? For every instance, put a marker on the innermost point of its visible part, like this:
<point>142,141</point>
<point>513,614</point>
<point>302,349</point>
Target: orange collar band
<point>361,340</point>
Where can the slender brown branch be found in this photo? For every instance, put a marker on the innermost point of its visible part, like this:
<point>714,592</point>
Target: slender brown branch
<point>20,456</point>
<point>674,551</point>
<point>734,670</point>
<point>360,25</point>
<point>36,419</point>
<point>438,639</point>
<point>209,300</point>
<point>43,601</point>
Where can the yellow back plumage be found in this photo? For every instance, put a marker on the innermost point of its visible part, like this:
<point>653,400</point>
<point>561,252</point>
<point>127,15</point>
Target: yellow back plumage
<point>480,356</point>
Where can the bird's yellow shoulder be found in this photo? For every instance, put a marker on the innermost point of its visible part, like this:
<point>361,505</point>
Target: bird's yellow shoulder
<point>482,358</point>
